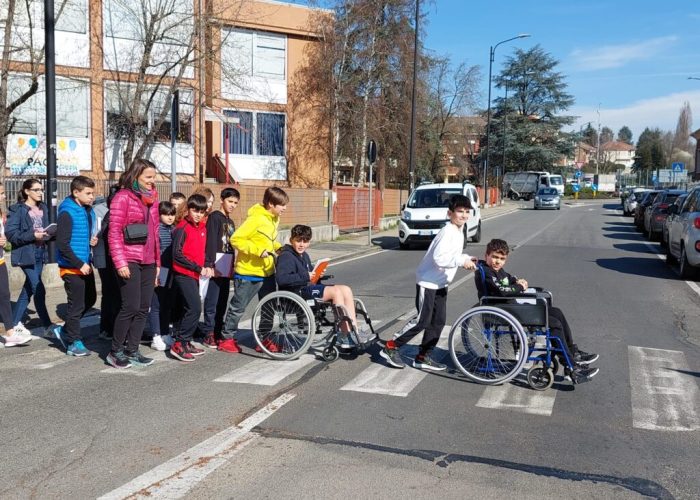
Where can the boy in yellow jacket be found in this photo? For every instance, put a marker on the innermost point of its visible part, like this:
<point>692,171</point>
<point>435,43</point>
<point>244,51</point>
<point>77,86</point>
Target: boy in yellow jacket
<point>256,243</point>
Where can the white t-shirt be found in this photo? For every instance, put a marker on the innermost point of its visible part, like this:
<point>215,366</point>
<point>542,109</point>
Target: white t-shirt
<point>444,256</point>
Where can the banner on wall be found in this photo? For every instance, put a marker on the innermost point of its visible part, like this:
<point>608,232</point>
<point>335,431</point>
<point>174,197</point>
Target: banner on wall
<point>26,155</point>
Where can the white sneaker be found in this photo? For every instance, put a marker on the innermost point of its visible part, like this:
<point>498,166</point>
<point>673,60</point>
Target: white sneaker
<point>157,344</point>
<point>22,330</point>
<point>16,339</point>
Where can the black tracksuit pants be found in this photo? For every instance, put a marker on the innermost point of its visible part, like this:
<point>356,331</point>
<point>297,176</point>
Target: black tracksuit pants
<point>111,300</point>
<point>136,293</point>
<point>188,297</point>
<point>5,304</point>
<point>81,295</point>
<point>559,327</point>
<point>432,314</point>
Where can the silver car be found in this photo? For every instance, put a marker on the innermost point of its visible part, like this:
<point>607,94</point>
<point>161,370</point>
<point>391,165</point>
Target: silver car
<point>684,235</point>
<point>547,198</point>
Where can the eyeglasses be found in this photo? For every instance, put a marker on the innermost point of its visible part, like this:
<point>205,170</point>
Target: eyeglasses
<point>37,190</point>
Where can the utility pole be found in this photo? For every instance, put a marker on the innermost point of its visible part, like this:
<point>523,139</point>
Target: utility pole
<point>597,151</point>
<point>412,139</point>
<point>50,81</point>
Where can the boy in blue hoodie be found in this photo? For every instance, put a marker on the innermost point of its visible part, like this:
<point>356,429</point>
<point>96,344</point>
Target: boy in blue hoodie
<point>75,236</point>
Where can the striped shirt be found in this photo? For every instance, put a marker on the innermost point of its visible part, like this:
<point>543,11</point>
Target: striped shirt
<point>165,234</point>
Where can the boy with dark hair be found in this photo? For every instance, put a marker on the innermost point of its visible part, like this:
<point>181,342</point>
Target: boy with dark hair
<point>75,235</point>
<point>435,272</point>
<point>160,315</point>
<point>220,228</point>
<point>177,199</point>
<point>256,243</point>
<point>294,273</point>
<point>189,243</point>
<point>493,280</point>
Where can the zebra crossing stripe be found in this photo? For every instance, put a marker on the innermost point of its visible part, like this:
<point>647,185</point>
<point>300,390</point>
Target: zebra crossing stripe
<point>664,392</point>
<point>517,398</point>
<point>265,371</point>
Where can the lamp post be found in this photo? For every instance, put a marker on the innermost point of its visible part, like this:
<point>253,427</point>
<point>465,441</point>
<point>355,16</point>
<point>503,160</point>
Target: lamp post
<point>492,52</point>
<point>411,147</point>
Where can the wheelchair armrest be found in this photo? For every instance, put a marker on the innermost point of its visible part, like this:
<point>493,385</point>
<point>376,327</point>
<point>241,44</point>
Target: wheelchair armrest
<point>326,277</point>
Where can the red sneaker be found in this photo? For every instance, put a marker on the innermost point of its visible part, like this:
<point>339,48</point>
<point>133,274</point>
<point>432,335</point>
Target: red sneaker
<point>179,351</point>
<point>269,345</point>
<point>194,351</point>
<point>210,341</point>
<point>228,345</point>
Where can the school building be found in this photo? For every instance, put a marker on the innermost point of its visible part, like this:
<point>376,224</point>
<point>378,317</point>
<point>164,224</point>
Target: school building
<point>244,111</point>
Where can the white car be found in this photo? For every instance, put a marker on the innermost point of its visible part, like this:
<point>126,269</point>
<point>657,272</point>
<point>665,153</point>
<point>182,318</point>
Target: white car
<point>684,235</point>
<point>426,212</point>
<point>631,201</point>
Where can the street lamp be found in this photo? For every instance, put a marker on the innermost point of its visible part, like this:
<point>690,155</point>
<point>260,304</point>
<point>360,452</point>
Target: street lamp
<point>492,51</point>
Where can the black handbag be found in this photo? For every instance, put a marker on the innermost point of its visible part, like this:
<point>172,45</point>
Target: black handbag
<point>137,234</point>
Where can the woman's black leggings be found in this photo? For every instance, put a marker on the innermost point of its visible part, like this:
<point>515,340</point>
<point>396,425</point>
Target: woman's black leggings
<point>136,293</point>
<point>5,304</point>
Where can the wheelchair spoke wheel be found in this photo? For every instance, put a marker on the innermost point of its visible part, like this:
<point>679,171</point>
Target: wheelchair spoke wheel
<point>488,345</point>
<point>330,354</point>
<point>283,325</point>
<point>540,378</point>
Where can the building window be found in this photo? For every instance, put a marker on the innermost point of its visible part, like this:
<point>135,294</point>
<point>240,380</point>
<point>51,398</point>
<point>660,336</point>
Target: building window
<point>70,15</point>
<point>123,121</point>
<point>254,53</point>
<point>257,133</point>
<point>72,107</point>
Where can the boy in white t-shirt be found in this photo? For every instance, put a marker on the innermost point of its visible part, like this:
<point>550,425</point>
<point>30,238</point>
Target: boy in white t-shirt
<point>435,272</point>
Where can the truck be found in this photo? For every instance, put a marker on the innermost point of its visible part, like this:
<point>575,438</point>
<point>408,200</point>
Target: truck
<point>522,185</point>
<point>605,182</point>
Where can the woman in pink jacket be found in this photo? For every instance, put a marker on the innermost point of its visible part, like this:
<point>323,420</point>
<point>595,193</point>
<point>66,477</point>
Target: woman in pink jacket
<point>133,243</point>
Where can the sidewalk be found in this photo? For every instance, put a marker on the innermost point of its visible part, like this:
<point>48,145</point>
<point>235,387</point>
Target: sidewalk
<point>345,247</point>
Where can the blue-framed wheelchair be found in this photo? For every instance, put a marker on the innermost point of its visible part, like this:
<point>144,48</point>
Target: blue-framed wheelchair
<point>285,325</point>
<point>492,342</point>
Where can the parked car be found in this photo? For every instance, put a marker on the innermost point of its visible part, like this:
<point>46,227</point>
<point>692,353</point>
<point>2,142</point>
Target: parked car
<point>641,207</point>
<point>547,197</point>
<point>631,200</point>
<point>672,214</point>
<point>655,215</point>
<point>684,235</point>
<point>425,213</point>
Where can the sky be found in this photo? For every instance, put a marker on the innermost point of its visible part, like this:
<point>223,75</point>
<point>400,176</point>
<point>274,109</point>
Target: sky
<point>629,59</point>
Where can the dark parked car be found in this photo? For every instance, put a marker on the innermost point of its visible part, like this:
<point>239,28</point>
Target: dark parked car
<point>673,212</point>
<point>642,206</point>
<point>656,213</point>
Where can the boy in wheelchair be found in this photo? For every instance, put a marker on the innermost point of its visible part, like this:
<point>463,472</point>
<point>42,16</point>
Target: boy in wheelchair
<point>294,273</point>
<point>493,280</point>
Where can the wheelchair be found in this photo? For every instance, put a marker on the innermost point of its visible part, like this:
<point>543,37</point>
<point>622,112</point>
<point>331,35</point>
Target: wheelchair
<point>293,325</point>
<point>491,342</point>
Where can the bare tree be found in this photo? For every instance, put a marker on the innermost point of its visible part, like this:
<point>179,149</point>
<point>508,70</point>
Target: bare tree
<point>681,138</point>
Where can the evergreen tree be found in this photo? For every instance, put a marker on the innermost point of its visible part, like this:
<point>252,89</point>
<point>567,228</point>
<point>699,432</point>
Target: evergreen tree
<point>606,135</point>
<point>624,134</point>
<point>589,135</point>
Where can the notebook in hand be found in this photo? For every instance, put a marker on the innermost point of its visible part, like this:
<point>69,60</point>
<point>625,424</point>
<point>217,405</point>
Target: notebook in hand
<point>320,268</point>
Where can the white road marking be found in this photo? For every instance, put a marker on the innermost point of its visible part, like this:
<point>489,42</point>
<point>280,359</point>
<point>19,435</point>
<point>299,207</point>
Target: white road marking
<point>266,371</point>
<point>664,392</point>
<point>177,476</point>
<point>518,398</point>
<point>382,379</point>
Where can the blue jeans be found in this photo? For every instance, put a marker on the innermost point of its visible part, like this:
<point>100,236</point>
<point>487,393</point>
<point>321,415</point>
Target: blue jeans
<point>33,286</point>
<point>243,293</point>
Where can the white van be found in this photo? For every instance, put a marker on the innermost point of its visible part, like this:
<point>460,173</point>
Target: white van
<point>426,212</point>
<point>554,181</point>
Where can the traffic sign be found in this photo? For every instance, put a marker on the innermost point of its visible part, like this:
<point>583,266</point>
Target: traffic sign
<point>594,187</point>
<point>578,173</point>
<point>653,177</point>
<point>678,166</point>
<point>579,164</point>
<point>576,188</point>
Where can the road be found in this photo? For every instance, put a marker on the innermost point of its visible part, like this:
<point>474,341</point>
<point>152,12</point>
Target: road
<point>241,426</point>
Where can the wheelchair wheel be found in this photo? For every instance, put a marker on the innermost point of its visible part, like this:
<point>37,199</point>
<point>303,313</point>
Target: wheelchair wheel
<point>540,378</point>
<point>488,345</point>
<point>330,354</point>
<point>283,325</point>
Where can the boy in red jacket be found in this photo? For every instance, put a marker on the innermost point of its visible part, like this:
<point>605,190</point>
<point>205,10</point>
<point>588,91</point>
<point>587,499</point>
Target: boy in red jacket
<point>189,243</point>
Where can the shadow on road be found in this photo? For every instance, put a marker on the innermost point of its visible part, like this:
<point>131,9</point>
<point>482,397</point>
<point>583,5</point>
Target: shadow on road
<point>639,266</point>
<point>386,242</point>
<point>612,206</point>
<point>633,236</point>
<point>686,372</point>
<point>632,247</point>
<point>627,229</point>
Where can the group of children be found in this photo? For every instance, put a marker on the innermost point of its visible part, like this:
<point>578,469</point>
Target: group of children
<point>200,246</point>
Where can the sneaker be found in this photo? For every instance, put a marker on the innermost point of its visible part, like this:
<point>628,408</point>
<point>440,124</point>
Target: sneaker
<point>365,335</point>
<point>210,341</point>
<point>427,363</point>
<point>581,375</point>
<point>179,351</point>
<point>77,348</point>
<point>393,357</point>
<point>269,345</point>
<point>228,345</point>
<point>168,339</point>
<point>584,358</point>
<point>345,342</point>
<point>118,360</point>
<point>104,335</point>
<point>138,359</point>
<point>194,351</point>
<point>15,339</point>
<point>58,334</point>
<point>22,330</point>
<point>157,344</point>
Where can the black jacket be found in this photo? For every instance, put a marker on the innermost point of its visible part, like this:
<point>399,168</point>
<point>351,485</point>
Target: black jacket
<point>219,231</point>
<point>495,284</point>
<point>292,270</point>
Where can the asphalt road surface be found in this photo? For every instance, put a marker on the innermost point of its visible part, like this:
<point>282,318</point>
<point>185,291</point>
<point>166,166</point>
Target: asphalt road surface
<point>243,426</point>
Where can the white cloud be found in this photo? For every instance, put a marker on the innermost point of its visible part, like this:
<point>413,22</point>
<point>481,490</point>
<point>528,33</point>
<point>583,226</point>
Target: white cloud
<point>614,56</point>
<point>661,112</point>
